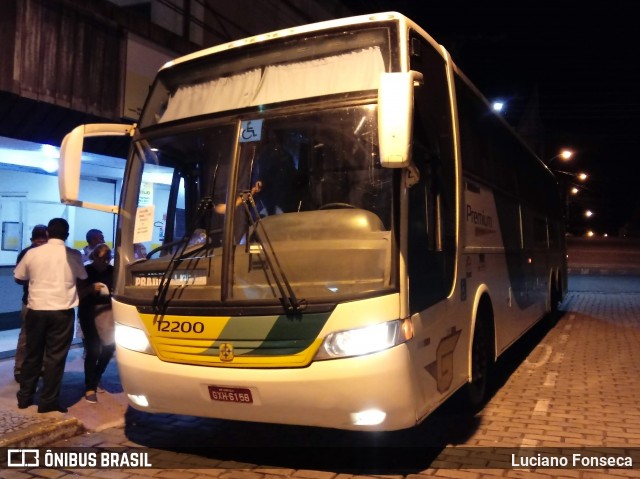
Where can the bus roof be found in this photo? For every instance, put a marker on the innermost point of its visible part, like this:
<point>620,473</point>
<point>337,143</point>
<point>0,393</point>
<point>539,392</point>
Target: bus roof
<point>312,27</point>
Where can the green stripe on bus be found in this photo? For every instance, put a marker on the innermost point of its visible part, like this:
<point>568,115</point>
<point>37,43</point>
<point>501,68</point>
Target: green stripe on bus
<point>272,335</point>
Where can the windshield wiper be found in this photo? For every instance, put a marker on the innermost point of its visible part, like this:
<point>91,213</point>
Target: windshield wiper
<point>290,302</point>
<point>159,298</point>
<point>205,209</point>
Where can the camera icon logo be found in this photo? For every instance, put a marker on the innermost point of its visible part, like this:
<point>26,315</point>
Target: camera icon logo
<point>23,458</point>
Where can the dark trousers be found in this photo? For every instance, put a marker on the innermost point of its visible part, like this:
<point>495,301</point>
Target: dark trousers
<point>21,347</point>
<point>49,335</point>
<point>97,355</point>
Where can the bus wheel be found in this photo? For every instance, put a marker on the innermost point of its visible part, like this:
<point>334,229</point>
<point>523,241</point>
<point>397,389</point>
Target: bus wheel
<point>477,390</point>
<point>555,297</point>
<point>554,300</point>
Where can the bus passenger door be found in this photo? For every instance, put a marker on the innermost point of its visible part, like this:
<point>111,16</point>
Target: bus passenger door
<point>439,351</point>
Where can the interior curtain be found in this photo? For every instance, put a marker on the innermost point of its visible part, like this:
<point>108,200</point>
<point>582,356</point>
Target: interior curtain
<point>224,93</point>
<point>324,76</point>
<point>354,71</point>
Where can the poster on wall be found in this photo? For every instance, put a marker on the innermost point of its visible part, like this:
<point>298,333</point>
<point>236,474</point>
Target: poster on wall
<point>146,194</point>
<point>11,235</point>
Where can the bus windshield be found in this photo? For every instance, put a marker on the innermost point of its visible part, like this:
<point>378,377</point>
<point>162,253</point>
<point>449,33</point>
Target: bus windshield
<point>265,208</point>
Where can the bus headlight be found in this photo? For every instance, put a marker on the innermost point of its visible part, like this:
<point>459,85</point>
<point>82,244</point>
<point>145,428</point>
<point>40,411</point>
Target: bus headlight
<point>371,339</point>
<point>132,338</point>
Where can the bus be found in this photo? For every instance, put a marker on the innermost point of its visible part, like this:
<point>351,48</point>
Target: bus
<point>339,231</point>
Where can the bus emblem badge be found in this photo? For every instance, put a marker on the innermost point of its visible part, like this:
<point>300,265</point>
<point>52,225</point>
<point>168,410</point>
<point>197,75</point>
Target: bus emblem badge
<point>442,368</point>
<point>226,352</point>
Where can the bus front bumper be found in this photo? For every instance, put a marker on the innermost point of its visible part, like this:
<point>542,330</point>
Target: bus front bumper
<point>373,392</point>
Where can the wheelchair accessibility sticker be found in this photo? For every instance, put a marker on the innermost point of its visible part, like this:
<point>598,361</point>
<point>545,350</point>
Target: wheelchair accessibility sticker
<point>250,130</point>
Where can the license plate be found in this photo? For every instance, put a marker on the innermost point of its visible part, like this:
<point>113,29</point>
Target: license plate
<point>237,395</point>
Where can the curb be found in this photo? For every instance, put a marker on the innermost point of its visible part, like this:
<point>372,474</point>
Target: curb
<point>43,433</point>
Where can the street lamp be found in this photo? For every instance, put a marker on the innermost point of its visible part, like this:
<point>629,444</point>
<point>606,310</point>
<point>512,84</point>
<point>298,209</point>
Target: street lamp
<point>588,213</point>
<point>564,154</point>
<point>582,176</point>
<point>568,188</point>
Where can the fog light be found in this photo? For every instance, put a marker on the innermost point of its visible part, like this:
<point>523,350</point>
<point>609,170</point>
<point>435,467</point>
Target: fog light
<point>138,400</point>
<point>370,417</point>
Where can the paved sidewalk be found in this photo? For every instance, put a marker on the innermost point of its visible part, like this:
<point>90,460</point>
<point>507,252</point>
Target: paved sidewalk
<point>28,428</point>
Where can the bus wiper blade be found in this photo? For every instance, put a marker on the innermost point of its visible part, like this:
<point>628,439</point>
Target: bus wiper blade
<point>288,297</point>
<point>205,209</point>
<point>159,298</point>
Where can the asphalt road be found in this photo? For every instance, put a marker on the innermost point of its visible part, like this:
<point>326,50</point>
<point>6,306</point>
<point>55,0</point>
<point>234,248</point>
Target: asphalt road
<point>604,284</point>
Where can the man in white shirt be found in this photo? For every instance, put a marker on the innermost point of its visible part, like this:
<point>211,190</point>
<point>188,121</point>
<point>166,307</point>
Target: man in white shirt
<point>52,272</point>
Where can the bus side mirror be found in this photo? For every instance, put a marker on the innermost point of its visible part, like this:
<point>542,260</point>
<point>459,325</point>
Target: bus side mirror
<point>71,159</point>
<point>395,117</point>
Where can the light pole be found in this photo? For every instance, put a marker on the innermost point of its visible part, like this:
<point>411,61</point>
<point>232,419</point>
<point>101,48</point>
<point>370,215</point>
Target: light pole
<point>565,154</point>
<point>581,176</point>
<point>568,182</point>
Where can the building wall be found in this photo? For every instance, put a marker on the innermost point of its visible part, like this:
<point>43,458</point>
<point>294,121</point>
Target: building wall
<point>66,57</point>
<point>243,18</point>
<point>42,202</point>
<point>32,198</point>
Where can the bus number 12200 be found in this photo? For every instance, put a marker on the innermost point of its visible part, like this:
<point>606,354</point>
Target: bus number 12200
<point>180,327</point>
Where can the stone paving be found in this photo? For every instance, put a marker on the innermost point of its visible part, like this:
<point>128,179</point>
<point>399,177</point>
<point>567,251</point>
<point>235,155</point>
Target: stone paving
<point>567,389</point>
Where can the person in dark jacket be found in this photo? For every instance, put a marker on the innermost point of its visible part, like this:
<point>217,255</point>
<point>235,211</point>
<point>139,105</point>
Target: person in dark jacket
<point>96,321</point>
<point>38,237</point>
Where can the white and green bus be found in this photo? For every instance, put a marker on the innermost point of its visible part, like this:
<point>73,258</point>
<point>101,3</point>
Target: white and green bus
<point>338,230</point>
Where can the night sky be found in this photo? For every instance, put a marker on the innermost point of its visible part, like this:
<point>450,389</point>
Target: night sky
<point>582,63</point>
